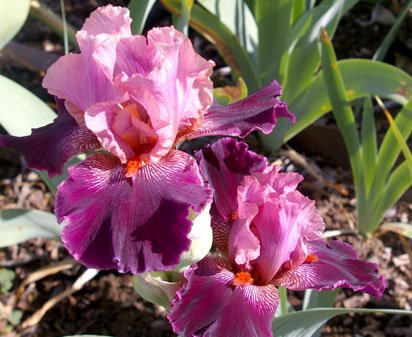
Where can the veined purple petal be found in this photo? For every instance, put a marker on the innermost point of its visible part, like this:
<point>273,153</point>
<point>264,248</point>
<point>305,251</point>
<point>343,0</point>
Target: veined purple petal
<point>333,265</point>
<point>51,146</point>
<point>224,164</point>
<point>209,305</point>
<point>255,112</point>
<point>133,224</point>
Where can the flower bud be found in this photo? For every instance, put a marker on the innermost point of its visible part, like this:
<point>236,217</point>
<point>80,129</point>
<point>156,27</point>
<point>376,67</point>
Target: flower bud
<point>158,287</point>
<point>201,236</point>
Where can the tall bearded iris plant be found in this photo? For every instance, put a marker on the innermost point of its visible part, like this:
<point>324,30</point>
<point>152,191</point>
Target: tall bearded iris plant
<point>267,234</point>
<point>129,100</point>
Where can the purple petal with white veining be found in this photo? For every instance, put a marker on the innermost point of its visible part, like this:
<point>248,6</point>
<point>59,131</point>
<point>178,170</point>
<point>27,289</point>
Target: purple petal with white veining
<point>209,305</point>
<point>258,111</point>
<point>50,147</point>
<point>335,264</point>
<point>133,224</point>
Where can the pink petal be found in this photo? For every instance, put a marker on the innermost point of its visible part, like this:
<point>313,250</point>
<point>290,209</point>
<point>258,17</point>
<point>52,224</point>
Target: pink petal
<point>99,118</point>
<point>334,265</point>
<point>255,112</point>
<point>184,74</point>
<point>86,85</point>
<point>50,147</point>
<point>134,55</point>
<point>210,305</point>
<point>285,221</point>
<point>133,224</point>
<point>108,20</point>
<point>224,164</point>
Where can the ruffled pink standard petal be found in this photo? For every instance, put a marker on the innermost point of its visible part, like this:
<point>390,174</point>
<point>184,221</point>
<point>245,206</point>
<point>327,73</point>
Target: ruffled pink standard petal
<point>284,223</point>
<point>255,112</point>
<point>78,80</point>
<point>50,147</point>
<point>108,20</point>
<point>209,305</point>
<point>333,265</point>
<point>184,76</point>
<point>224,164</point>
<point>86,78</point>
<point>133,224</point>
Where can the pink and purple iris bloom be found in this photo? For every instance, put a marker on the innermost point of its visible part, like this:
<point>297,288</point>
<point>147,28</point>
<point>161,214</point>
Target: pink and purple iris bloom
<point>267,234</point>
<point>127,101</point>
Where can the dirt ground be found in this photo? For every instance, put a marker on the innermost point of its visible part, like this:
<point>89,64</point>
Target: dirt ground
<point>107,304</point>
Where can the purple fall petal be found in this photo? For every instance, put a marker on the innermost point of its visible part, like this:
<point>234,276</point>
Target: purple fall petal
<point>50,147</point>
<point>209,305</point>
<point>255,112</point>
<point>335,264</point>
<point>133,224</point>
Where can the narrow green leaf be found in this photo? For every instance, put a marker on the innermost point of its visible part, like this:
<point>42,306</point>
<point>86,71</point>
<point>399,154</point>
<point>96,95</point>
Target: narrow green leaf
<point>299,7</point>
<point>342,111</point>
<point>45,15</point>
<point>237,16</point>
<point>308,322</point>
<point>225,41</point>
<point>18,225</point>
<point>13,14</point>
<point>368,143</point>
<point>274,20</point>
<point>361,77</point>
<point>183,22</point>
<point>303,60</point>
<point>20,110</point>
<point>398,136</point>
<point>401,228</point>
<point>139,11</point>
<point>387,42</point>
<point>397,185</point>
<point>389,149</point>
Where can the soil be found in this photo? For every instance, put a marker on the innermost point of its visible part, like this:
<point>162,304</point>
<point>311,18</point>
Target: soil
<point>107,304</point>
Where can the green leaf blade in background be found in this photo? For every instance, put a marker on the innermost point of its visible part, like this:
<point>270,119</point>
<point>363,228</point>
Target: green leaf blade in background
<point>273,19</point>
<point>238,18</point>
<point>345,119</point>
<point>139,11</point>
<point>303,55</point>
<point>20,110</point>
<point>13,14</point>
<point>361,77</point>
<point>18,225</point>
<point>390,37</point>
<point>309,322</point>
<point>369,144</point>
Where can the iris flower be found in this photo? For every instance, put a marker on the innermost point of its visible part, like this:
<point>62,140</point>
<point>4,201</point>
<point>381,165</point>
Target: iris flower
<point>127,100</point>
<point>267,235</point>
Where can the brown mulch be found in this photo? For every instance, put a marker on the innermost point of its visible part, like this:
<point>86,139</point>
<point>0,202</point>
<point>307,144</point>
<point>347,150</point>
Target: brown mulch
<point>108,304</point>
